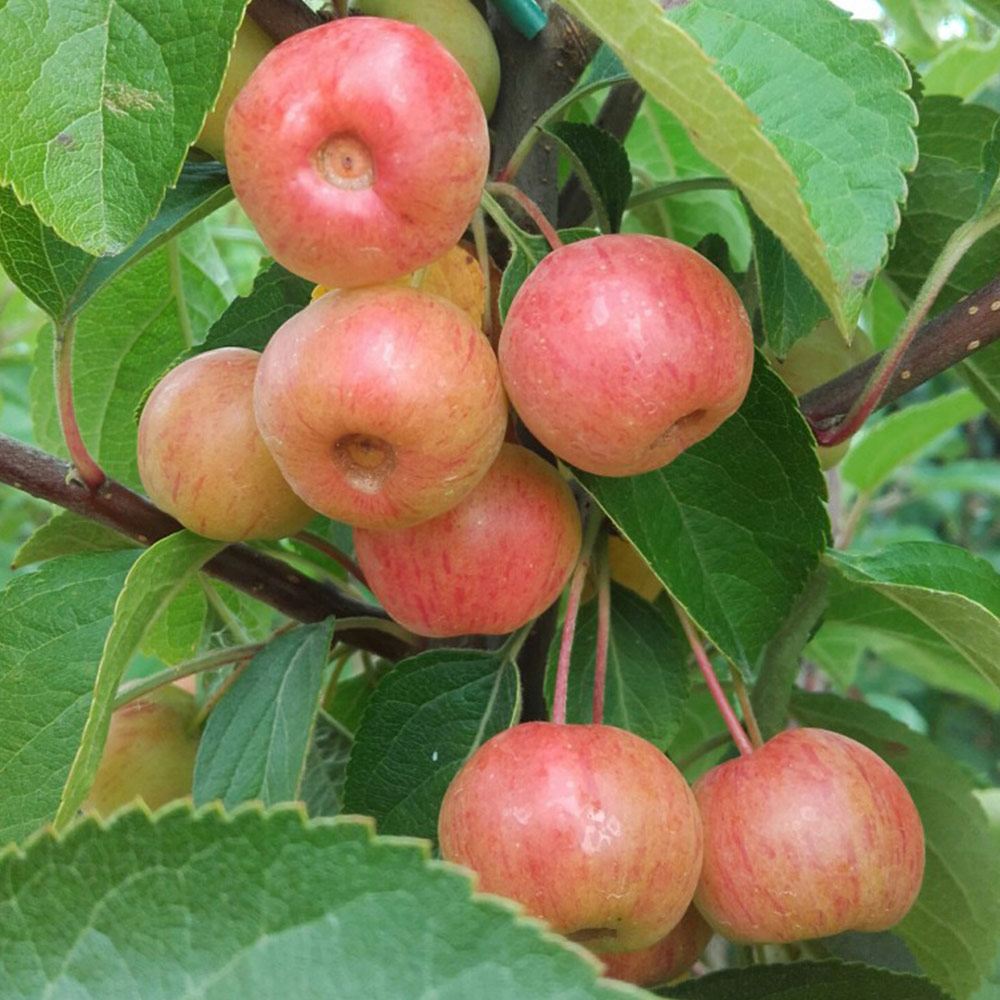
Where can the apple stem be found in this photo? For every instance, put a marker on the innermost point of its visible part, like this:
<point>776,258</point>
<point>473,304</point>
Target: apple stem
<point>749,719</point>
<point>483,255</point>
<point>198,721</point>
<point>337,555</point>
<point>954,250</point>
<point>338,668</point>
<point>503,189</point>
<point>718,695</point>
<point>603,629</point>
<point>84,467</point>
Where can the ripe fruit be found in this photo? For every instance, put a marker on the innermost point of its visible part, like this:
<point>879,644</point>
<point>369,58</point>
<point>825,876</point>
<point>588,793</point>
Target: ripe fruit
<point>619,352</point>
<point>590,827</point>
<point>250,47</point>
<point>490,564</point>
<point>664,961</point>
<point>359,150</point>
<point>382,406</point>
<point>818,357</point>
<point>810,835</point>
<point>202,459</point>
<point>149,753</point>
<point>460,28</point>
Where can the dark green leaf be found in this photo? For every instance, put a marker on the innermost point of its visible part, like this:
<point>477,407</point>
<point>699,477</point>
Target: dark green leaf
<point>326,767</point>
<point>257,738</point>
<point>424,719</point>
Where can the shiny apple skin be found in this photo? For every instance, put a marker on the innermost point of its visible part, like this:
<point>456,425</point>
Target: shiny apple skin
<point>808,836</point>
<point>382,406</point>
<point>489,565</point>
<point>407,183</point>
<point>202,459</point>
<point>619,352</point>
<point>589,827</point>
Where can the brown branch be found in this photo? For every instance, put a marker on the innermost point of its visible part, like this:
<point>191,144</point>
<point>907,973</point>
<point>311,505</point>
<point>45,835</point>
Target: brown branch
<point>267,579</point>
<point>954,335</point>
<point>283,18</point>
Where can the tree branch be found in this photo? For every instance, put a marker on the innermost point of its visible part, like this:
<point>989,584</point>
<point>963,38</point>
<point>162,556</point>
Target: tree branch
<point>952,336</point>
<point>269,580</point>
<point>283,18</point>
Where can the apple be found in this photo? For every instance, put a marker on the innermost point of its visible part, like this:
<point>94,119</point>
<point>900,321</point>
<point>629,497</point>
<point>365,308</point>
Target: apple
<point>619,352</point>
<point>588,826</point>
<point>249,48</point>
<point>202,459</point>
<point>489,565</point>
<point>382,406</point>
<point>460,28</point>
<point>818,357</point>
<point>808,836</point>
<point>666,960</point>
<point>149,753</point>
<point>359,150</point>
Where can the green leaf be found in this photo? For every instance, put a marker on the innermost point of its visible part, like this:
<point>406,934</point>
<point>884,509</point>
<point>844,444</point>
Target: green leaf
<point>790,307</point>
<point>175,634</point>
<point>973,475</point>
<point>156,577</point>
<point>258,736</point>
<point>902,436</point>
<point>989,9</point>
<point>963,68</point>
<point>326,767</point>
<point>806,981</point>
<point>352,694</point>
<point>735,525</point>
<point>265,905</point>
<point>602,164</point>
<point>915,24</point>
<point>65,534</point>
<point>954,925</point>
<point>61,278</point>
<point>55,621</point>
<point>127,335</point>
<point>102,101</point>
<point>945,191</point>
<point>953,592</point>
<point>826,179</point>
<point>647,681</point>
<point>424,720</point>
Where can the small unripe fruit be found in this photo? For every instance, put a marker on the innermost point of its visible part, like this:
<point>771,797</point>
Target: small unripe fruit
<point>619,352</point>
<point>202,459</point>
<point>359,150</point>
<point>589,827</point>
<point>149,754</point>
<point>382,406</point>
<point>493,562</point>
<point>810,835</point>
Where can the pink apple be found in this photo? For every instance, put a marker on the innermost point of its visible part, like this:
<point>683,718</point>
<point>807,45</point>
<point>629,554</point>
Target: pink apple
<point>202,459</point>
<point>619,352</point>
<point>490,564</point>
<point>382,406</point>
<point>810,835</point>
<point>149,753</point>
<point>666,960</point>
<point>589,827</point>
<point>359,150</point>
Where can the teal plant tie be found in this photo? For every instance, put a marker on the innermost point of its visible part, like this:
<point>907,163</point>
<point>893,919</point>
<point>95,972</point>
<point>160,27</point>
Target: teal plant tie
<point>526,16</point>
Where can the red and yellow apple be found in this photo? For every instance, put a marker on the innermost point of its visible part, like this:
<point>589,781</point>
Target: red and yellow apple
<point>493,562</point>
<point>619,352</point>
<point>202,459</point>
<point>589,827</point>
<point>359,150</point>
<point>382,406</point>
<point>808,836</point>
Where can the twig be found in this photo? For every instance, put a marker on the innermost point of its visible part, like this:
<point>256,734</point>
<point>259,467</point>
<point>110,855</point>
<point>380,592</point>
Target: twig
<point>283,18</point>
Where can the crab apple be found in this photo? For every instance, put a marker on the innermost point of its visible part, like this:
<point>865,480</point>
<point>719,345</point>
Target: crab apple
<point>664,961</point>
<point>149,753</point>
<point>382,406</point>
<point>250,47</point>
<point>588,826</point>
<point>808,836</point>
<point>493,562</point>
<point>619,352</point>
<point>460,28</point>
<point>202,459</point>
<point>359,150</point>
